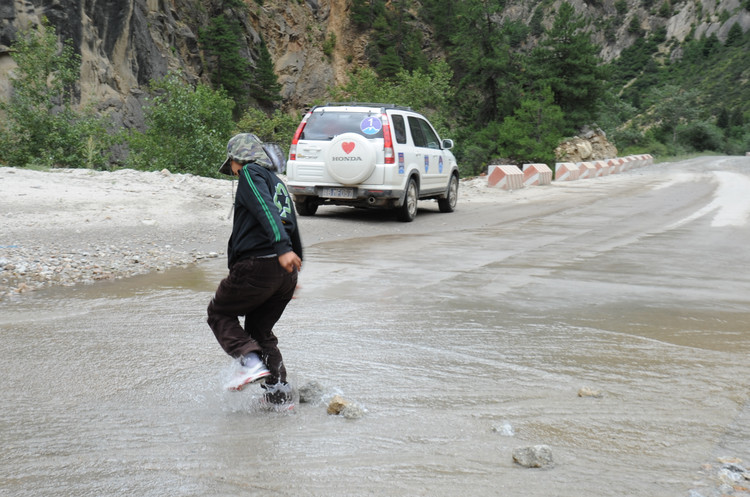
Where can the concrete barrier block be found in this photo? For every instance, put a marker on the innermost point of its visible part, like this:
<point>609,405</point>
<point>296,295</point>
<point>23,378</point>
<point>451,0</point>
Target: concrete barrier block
<point>505,177</point>
<point>586,170</point>
<point>614,166</point>
<point>602,168</point>
<point>536,174</point>
<point>566,171</point>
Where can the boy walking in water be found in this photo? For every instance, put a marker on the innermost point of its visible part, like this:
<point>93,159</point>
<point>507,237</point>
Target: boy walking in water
<point>264,255</point>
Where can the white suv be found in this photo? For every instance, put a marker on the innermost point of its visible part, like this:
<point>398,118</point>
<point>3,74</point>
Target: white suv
<point>370,155</point>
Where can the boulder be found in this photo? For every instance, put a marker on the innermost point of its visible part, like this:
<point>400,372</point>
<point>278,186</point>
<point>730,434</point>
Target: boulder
<point>590,145</point>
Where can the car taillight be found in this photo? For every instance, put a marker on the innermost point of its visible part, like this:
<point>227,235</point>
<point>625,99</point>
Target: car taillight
<point>387,141</point>
<point>295,139</point>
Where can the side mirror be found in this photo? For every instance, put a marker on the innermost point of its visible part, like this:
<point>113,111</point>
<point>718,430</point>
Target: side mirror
<point>447,144</point>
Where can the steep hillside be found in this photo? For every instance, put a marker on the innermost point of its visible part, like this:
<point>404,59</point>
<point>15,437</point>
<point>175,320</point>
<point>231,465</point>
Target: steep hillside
<point>315,44</point>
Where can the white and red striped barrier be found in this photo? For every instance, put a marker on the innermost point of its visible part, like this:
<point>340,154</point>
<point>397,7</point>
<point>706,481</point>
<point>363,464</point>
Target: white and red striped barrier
<point>566,171</point>
<point>512,178</point>
<point>602,168</point>
<point>586,170</point>
<point>536,174</point>
<point>505,177</point>
<point>609,166</point>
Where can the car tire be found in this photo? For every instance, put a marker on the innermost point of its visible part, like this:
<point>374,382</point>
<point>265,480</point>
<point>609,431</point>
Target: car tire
<point>307,206</point>
<point>350,158</point>
<point>408,210</point>
<point>448,204</point>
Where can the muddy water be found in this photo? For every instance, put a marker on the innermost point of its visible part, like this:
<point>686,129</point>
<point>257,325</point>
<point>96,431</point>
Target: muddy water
<point>458,357</point>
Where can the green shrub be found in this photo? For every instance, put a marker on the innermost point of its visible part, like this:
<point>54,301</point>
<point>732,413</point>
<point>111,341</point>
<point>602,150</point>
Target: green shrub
<point>700,136</point>
<point>533,132</point>
<point>665,10</point>
<point>329,45</point>
<point>187,128</point>
<point>278,128</point>
<point>41,127</point>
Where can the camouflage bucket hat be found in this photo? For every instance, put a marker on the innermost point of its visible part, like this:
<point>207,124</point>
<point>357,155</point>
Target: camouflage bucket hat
<point>245,147</point>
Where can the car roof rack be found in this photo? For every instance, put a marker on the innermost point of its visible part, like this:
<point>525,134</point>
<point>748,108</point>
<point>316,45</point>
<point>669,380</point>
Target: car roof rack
<point>370,104</point>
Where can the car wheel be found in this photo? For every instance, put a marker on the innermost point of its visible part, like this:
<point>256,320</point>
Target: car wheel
<point>448,204</point>
<point>308,206</point>
<point>350,158</point>
<point>408,211</point>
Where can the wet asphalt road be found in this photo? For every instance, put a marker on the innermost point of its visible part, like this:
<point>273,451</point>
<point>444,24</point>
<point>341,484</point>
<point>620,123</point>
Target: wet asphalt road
<point>463,336</point>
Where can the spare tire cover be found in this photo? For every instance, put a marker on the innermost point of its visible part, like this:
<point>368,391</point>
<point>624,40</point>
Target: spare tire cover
<point>350,158</point>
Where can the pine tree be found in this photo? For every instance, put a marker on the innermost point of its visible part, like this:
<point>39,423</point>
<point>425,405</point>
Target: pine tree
<point>533,132</point>
<point>389,64</point>
<point>361,13</point>
<point>265,87</point>
<point>484,63</point>
<point>735,36</point>
<point>567,61</point>
<point>722,119</point>
<point>229,70</point>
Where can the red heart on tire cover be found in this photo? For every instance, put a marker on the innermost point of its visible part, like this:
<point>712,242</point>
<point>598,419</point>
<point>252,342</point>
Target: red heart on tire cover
<point>347,147</point>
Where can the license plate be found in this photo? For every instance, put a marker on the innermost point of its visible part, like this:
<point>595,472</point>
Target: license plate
<point>337,192</point>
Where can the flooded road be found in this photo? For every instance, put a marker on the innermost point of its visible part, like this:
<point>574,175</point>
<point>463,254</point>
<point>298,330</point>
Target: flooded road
<point>463,336</point>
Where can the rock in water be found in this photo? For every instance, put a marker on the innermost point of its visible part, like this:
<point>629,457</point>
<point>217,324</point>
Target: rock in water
<point>589,392</point>
<point>538,456</point>
<point>337,404</point>
<point>311,393</point>
<point>352,411</point>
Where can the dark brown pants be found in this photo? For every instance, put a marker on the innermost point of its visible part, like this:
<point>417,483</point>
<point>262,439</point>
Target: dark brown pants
<point>259,289</point>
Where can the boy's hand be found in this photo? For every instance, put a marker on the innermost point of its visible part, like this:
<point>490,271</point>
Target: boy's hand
<point>289,261</point>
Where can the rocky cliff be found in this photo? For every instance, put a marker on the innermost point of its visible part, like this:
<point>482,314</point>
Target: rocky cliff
<point>126,43</point>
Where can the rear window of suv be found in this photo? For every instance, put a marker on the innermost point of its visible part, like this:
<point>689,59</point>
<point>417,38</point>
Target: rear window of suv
<point>326,125</point>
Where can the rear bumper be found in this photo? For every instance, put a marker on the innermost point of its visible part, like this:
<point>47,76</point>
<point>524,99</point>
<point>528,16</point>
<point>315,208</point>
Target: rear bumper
<point>361,196</point>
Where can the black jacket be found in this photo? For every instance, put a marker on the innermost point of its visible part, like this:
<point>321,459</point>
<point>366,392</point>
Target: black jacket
<point>264,219</point>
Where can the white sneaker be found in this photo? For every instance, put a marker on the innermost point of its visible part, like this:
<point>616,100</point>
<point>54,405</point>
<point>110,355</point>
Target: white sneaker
<point>247,375</point>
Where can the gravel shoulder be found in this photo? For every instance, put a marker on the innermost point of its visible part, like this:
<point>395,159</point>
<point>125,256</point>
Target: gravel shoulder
<point>69,226</point>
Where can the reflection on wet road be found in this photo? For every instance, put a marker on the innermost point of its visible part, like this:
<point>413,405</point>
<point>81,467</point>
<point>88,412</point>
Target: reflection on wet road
<point>637,289</point>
